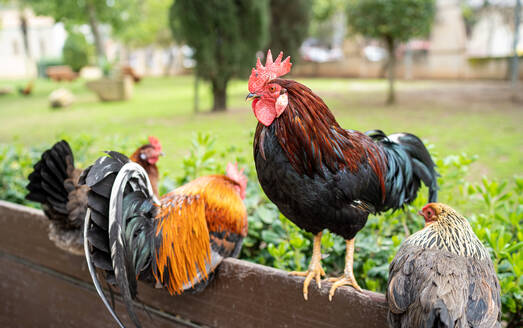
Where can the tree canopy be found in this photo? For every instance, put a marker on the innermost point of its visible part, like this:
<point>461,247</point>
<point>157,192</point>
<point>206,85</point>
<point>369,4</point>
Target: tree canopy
<point>92,12</point>
<point>148,26</point>
<point>225,36</point>
<point>398,20</point>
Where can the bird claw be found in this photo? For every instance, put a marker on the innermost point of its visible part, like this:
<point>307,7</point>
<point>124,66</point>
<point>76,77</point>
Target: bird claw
<point>343,281</point>
<point>314,272</point>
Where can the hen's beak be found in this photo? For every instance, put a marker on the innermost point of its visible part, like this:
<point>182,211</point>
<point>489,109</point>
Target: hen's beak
<point>251,96</point>
<point>161,153</point>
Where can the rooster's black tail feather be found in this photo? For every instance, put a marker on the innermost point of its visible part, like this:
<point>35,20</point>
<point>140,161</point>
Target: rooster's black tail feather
<point>409,162</point>
<point>121,205</point>
<point>46,182</point>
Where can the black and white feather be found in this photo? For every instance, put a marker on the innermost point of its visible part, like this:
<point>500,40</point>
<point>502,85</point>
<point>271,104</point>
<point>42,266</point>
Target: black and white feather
<point>122,206</point>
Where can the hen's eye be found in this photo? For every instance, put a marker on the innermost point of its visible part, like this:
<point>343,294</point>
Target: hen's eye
<point>272,88</point>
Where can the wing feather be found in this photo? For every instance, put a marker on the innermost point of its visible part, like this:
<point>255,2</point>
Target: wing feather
<point>182,245</point>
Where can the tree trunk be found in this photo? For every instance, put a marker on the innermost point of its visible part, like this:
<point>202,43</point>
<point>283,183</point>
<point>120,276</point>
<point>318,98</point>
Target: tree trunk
<point>196,93</point>
<point>24,29</point>
<point>391,97</point>
<point>93,23</point>
<point>515,58</point>
<point>219,91</point>
<point>25,34</point>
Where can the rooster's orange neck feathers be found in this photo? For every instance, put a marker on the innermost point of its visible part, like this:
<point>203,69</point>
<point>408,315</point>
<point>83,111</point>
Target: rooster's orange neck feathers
<point>310,136</point>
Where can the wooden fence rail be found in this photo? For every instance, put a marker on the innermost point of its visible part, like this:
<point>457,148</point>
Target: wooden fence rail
<point>43,286</point>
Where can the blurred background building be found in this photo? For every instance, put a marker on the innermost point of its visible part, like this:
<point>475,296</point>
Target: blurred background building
<point>459,47</point>
<point>45,40</point>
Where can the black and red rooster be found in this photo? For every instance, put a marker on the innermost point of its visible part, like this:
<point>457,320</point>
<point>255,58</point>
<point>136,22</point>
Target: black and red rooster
<point>322,176</point>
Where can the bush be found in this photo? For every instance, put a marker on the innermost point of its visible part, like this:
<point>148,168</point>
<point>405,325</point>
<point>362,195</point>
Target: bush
<point>494,209</point>
<point>15,165</point>
<point>76,51</point>
<point>43,64</point>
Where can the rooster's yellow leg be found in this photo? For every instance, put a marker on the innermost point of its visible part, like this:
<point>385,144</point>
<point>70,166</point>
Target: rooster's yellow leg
<point>348,275</point>
<point>315,270</point>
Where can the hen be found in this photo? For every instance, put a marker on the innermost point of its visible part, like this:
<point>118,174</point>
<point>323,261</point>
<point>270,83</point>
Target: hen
<point>322,176</point>
<point>175,242</point>
<point>442,276</point>
<point>54,184</point>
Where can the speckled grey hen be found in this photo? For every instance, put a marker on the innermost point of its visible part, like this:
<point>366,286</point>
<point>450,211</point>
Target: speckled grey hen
<point>442,276</point>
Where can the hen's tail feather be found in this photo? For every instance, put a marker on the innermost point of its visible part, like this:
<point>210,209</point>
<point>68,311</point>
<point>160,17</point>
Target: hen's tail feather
<point>121,202</point>
<point>46,182</point>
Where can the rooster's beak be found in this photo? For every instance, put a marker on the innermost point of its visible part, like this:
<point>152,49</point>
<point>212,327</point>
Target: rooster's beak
<point>251,96</point>
<point>161,153</point>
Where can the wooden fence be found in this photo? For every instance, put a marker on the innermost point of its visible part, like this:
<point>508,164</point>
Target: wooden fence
<point>43,286</point>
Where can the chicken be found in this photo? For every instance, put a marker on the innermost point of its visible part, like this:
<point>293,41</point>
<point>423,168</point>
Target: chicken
<point>28,89</point>
<point>54,184</point>
<point>175,242</point>
<point>442,276</point>
<point>322,176</point>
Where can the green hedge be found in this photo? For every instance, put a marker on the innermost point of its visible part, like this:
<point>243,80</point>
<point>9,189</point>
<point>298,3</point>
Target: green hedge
<point>494,209</point>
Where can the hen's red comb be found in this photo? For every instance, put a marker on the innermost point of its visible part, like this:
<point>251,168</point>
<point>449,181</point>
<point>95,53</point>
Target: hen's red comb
<point>155,143</point>
<point>233,172</point>
<point>272,69</point>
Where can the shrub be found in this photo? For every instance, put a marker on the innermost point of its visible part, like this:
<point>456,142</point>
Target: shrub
<point>44,63</point>
<point>76,51</point>
<point>15,164</point>
<point>494,209</point>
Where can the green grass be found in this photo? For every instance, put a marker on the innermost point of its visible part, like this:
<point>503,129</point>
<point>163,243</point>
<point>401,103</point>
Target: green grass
<point>455,117</point>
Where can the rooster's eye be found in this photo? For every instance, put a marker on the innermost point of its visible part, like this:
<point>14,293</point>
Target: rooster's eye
<point>272,88</point>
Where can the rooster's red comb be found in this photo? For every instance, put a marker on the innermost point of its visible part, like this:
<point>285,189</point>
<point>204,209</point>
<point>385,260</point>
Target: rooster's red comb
<point>155,143</point>
<point>272,69</point>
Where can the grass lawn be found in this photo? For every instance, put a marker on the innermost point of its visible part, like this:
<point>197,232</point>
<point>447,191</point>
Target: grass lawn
<point>456,117</point>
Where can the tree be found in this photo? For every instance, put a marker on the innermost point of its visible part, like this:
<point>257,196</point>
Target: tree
<point>90,12</point>
<point>76,51</point>
<point>225,36</point>
<point>289,25</point>
<point>393,22</point>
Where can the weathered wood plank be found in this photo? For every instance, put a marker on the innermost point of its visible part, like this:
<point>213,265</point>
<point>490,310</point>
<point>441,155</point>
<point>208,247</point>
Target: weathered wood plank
<point>242,295</point>
<point>35,297</point>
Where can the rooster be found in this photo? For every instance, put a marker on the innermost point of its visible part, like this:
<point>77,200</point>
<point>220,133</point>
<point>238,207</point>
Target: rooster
<point>175,242</point>
<point>442,276</point>
<point>322,176</point>
<point>54,184</point>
